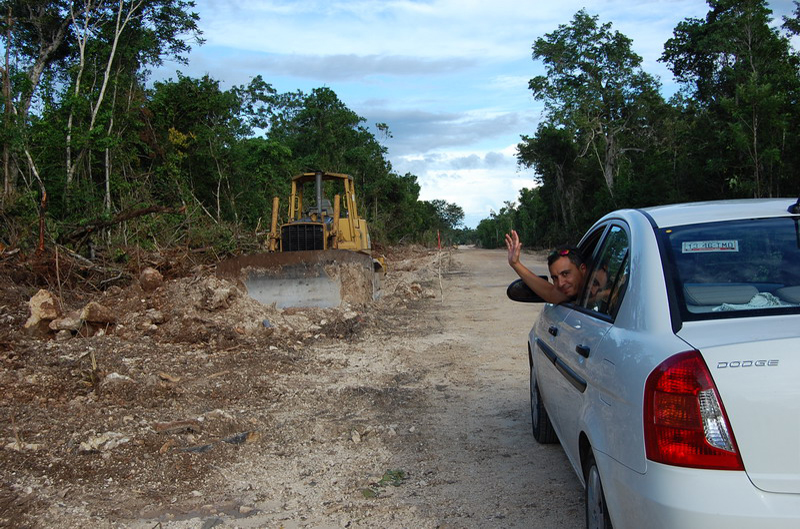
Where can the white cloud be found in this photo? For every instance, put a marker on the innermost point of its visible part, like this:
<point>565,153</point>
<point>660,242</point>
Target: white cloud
<point>352,67</point>
<point>478,181</point>
<point>438,28</point>
<point>416,132</point>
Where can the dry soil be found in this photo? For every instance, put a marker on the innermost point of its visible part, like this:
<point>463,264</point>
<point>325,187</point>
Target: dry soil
<point>200,408</point>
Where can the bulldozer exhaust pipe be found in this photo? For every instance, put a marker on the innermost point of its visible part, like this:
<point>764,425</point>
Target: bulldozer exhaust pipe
<point>319,194</point>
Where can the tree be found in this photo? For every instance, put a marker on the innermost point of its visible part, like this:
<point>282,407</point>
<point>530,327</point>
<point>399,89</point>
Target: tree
<point>79,118</point>
<point>401,215</point>
<point>595,89</point>
<point>59,44</point>
<point>319,129</point>
<point>553,153</point>
<point>36,31</point>
<point>449,216</point>
<point>322,133</point>
<point>744,84</point>
<point>491,231</point>
<point>197,126</point>
<point>439,221</point>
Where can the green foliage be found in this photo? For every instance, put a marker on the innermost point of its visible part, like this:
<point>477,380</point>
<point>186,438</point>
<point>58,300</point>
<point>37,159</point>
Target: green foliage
<point>19,216</point>
<point>594,91</point>
<point>191,145</point>
<point>610,141</point>
<point>393,478</point>
<point>490,232</point>
<point>321,133</point>
<point>259,174</point>
<point>88,134</point>
<point>743,83</point>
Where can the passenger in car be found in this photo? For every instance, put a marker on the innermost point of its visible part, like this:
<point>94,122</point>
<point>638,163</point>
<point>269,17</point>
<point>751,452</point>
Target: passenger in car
<point>567,269</point>
<point>599,289</point>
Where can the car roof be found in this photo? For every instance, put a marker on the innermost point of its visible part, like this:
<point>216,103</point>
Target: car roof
<point>720,210</point>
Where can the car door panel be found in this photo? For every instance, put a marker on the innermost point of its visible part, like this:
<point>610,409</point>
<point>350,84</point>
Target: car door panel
<point>546,346</point>
<point>581,332</point>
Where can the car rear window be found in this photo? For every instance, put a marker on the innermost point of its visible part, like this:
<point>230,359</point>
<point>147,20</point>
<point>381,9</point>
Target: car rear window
<point>736,268</point>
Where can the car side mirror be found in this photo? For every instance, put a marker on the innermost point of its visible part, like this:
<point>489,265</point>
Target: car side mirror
<point>519,291</point>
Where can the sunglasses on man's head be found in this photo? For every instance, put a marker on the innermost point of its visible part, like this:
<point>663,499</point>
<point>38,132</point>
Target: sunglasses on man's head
<point>559,253</point>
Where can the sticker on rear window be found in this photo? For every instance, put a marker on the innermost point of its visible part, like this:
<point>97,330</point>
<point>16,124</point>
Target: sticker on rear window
<point>709,246</point>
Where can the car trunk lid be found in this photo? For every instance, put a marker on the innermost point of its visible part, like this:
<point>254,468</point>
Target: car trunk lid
<point>755,363</point>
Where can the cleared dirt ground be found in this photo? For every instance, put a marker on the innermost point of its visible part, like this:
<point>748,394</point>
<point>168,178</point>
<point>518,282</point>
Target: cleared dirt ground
<point>191,411</point>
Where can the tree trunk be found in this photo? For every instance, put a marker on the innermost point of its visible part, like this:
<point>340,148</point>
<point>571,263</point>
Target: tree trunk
<point>7,178</point>
<point>107,161</point>
<point>42,199</point>
<point>119,28</point>
<point>71,167</point>
<point>565,216</point>
<point>107,199</point>
<point>756,156</point>
<point>610,162</point>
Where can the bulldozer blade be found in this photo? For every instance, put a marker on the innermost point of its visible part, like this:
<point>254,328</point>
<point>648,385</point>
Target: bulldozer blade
<point>324,278</point>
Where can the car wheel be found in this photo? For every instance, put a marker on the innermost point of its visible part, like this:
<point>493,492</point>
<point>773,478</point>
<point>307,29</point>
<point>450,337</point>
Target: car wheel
<point>542,428</point>
<point>594,499</point>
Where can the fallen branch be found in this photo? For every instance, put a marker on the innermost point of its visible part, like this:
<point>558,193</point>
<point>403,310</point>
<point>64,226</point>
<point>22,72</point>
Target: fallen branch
<point>99,224</point>
<point>91,265</point>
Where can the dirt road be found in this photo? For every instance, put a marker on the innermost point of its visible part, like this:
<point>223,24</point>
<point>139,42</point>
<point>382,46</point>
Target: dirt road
<point>202,408</point>
<point>478,420</point>
<point>448,408</point>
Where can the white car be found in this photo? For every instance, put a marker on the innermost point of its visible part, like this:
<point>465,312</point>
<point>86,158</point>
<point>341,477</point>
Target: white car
<point>676,392</point>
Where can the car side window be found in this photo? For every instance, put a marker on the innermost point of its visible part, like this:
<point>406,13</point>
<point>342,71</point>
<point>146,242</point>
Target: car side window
<point>589,244</point>
<point>608,276</point>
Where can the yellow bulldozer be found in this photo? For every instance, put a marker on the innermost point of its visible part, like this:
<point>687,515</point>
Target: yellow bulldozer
<point>320,257</point>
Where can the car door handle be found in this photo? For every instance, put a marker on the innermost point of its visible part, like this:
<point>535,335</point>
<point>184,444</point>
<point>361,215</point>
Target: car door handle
<point>553,330</point>
<point>582,350</point>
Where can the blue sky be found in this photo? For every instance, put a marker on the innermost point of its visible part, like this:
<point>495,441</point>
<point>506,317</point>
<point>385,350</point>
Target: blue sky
<point>449,77</point>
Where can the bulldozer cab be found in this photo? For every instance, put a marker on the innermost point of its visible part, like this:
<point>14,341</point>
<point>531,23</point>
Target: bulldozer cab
<point>307,202</point>
<point>317,223</point>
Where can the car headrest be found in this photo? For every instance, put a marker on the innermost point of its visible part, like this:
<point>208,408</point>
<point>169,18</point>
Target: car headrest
<point>790,294</point>
<point>718,294</point>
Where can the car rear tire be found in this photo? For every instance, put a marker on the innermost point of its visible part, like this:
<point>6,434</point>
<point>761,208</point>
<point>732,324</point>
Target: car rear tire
<point>594,498</point>
<point>542,427</point>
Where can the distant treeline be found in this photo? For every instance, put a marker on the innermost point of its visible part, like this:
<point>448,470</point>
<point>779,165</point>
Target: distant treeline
<point>94,155</point>
<point>610,140</point>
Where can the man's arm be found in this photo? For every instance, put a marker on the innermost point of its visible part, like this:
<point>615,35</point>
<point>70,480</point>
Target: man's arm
<point>543,288</point>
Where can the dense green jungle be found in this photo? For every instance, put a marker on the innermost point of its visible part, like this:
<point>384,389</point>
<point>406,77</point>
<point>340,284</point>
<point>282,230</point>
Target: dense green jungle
<point>103,165</point>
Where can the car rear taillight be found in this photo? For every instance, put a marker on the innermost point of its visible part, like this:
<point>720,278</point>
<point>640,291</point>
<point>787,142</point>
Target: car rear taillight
<point>684,421</point>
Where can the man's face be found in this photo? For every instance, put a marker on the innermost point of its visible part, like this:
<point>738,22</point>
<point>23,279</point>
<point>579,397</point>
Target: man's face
<point>567,277</point>
<point>599,282</point>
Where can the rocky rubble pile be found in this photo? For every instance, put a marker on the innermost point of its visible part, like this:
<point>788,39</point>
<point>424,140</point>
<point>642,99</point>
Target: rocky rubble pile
<point>206,309</point>
<point>135,396</point>
<point>201,309</point>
